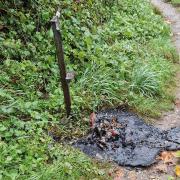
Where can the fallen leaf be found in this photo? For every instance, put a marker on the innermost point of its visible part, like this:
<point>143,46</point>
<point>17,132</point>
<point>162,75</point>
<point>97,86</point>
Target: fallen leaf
<point>92,119</point>
<point>167,157</point>
<point>177,103</point>
<point>177,170</point>
<point>119,173</point>
<point>114,132</point>
<point>110,172</point>
<point>168,22</point>
<point>132,175</point>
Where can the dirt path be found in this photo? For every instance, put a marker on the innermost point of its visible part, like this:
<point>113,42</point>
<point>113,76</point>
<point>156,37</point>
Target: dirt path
<point>161,170</point>
<point>172,16</point>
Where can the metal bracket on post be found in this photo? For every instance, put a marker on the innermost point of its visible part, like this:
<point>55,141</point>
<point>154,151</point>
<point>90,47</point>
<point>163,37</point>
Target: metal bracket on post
<point>64,77</point>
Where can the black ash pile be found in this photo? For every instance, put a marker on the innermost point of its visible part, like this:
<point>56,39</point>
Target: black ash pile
<point>122,137</point>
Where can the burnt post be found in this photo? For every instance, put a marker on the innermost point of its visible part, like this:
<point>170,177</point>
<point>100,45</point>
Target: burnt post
<point>64,77</point>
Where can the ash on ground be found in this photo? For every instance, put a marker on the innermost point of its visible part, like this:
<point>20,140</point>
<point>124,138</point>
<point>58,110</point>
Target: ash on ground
<point>123,137</point>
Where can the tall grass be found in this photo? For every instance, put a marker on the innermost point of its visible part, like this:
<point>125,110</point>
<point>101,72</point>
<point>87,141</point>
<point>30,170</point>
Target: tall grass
<point>145,81</point>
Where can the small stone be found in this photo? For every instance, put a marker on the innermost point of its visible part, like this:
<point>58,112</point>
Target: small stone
<point>99,156</point>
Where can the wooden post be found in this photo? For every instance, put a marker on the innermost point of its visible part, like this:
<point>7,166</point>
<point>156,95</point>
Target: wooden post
<point>61,62</point>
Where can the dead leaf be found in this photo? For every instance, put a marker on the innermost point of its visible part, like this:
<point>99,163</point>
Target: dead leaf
<point>177,170</point>
<point>166,157</point>
<point>177,103</point>
<point>92,119</point>
<point>132,175</point>
<point>168,22</point>
<point>119,173</point>
<point>110,173</point>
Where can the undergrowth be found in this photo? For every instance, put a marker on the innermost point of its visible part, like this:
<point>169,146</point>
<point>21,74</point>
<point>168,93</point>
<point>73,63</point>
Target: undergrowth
<point>121,53</point>
<point>174,2</point>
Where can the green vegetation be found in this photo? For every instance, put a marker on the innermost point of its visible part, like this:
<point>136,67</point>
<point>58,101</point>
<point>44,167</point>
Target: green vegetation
<point>174,2</point>
<point>122,54</point>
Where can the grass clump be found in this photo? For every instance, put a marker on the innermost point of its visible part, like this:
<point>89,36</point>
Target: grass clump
<point>70,164</point>
<point>121,53</point>
<point>174,2</point>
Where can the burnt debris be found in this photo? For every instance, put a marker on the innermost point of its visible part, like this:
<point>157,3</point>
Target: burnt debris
<point>123,137</point>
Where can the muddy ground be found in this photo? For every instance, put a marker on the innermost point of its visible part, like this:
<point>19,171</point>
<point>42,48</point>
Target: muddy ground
<point>120,136</point>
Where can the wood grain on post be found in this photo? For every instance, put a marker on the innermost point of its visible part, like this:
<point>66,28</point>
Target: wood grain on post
<point>61,62</point>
